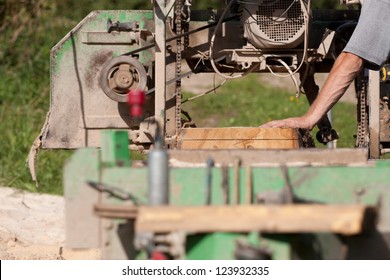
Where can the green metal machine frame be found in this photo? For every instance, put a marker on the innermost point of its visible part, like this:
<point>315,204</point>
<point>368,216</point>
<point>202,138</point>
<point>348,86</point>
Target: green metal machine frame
<point>358,183</point>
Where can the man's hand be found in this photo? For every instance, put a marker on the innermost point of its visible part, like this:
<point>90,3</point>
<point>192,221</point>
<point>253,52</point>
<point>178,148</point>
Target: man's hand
<point>344,71</point>
<point>298,122</point>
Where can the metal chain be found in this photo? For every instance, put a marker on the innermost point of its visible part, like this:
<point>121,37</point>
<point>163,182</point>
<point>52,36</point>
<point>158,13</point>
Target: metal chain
<point>306,138</point>
<point>178,22</point>
<point>361,139</point>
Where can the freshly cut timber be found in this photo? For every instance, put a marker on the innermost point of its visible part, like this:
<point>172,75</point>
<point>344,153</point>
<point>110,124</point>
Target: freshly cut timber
<point>239,138</point>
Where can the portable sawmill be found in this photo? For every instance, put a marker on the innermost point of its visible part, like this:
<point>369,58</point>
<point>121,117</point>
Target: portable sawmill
<point>213,193</point>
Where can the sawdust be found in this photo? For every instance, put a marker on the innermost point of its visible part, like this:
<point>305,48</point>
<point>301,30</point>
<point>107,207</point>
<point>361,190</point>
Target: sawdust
<point>32,226</point>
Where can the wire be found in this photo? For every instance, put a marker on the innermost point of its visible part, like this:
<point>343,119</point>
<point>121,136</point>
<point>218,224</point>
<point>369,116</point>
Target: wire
<point>274,20</point>
<point>306,58</point>
<point>207,92</point>
<point>306,10</point>
<point>286,11</point>
<point>306,41</point>
<point>298,91</point>
<point>212,44</point>
<point>221,84</point>
<point>212,60</point>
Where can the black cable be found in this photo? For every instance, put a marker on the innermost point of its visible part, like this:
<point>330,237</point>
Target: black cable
<point>179,36</point>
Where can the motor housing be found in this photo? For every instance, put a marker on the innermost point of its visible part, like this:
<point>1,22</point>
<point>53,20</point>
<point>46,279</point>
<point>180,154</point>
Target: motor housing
<point>274,23</point>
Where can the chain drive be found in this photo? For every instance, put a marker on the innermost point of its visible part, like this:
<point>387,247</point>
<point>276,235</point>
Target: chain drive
<point>178,25</point>
<point>362,127</point>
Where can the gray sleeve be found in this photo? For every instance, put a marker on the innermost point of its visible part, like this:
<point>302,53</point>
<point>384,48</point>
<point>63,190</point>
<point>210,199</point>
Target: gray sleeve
<point>371,38</point>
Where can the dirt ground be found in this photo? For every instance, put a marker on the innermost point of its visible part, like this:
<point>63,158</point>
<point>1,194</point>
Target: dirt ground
<point>32,227</point>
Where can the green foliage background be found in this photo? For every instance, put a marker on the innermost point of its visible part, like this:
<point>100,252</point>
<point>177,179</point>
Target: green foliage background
<point>28,29</point>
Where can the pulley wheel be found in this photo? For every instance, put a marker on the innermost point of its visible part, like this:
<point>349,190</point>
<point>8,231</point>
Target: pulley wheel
<point>120,75</point>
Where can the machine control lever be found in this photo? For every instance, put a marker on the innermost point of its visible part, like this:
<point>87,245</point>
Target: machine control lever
<point>121,26</point>
<point>113,191</point>
<point>326,135</point>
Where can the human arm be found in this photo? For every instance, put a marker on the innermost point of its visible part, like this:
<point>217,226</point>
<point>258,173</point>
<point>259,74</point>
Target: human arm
<point>344,71</point>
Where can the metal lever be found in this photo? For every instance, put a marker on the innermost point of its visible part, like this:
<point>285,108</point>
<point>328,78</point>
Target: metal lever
<point>113,191</point>
<point>121,26</point>
<point>210,164</point>
<point>326,135</point>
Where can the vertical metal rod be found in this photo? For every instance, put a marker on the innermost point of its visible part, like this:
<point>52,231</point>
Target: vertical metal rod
<point>249,187</point>
<point>289,194</point>
<point>210,164</point>
<point>331,144</point>
<point>158,178</point>
<point>225,184</point>
<point>237,162</point>
<point>160,63</point>
<point>158,173</point>
<point>373,105</point>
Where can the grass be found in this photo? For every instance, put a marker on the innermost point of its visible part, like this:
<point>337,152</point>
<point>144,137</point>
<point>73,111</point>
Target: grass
<point>24,101</point>
<point>28,31</point>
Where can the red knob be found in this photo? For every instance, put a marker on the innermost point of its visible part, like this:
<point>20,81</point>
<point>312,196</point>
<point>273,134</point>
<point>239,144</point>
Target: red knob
<point>136,101</point>
<point>159,256</point>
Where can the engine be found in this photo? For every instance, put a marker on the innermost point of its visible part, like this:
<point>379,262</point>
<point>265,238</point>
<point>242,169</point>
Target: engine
<point>274,23</point>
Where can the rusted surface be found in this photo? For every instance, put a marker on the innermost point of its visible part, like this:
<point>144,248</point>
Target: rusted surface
<point>95,65</point>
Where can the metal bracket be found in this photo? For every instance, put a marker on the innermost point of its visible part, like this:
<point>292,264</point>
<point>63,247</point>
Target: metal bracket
<point>165,6</point>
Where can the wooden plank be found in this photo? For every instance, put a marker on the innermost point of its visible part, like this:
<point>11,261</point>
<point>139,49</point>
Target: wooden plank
<point>316,157</point>
<point>238,144</point>
<point>238,138</point>
<point>341,219</point>
<point>231,133</point>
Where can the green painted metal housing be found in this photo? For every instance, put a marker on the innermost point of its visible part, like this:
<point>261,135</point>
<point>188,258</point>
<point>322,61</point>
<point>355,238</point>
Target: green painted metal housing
<point>367,184</point>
